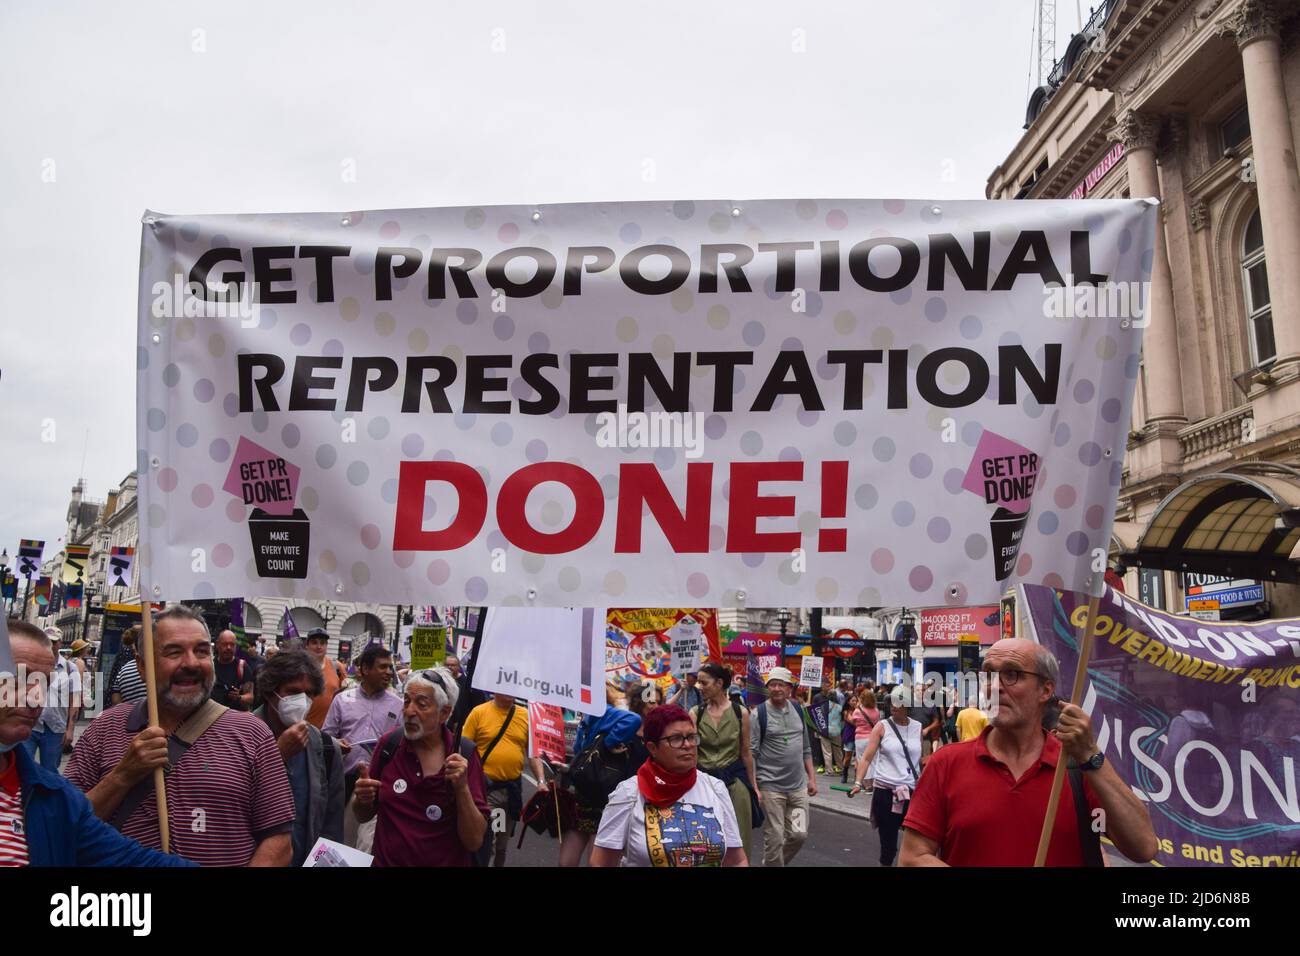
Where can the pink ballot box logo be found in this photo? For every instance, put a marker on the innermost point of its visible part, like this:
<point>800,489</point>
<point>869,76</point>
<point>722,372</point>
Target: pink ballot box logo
<point>1004,473</point>
<point>279,532</point>
<point>262,478</point>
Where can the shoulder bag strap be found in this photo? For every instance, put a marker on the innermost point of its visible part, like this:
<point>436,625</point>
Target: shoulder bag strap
<point>903,743</point>
<point>388,747</point>
<point>505,725</point>
<point>198,722</point>
<point>179,742</point>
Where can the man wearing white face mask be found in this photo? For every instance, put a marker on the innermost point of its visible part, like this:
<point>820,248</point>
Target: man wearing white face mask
<point>285,685</point>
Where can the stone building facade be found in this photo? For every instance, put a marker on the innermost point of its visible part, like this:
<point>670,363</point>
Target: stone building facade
<point>1196,103</point>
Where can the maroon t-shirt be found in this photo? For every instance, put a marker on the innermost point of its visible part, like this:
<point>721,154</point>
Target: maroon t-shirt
<point>416,823</point>
<point>968,803</point>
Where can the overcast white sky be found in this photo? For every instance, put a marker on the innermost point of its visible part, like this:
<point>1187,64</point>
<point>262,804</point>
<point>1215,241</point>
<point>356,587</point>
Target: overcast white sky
<point>256,106</point>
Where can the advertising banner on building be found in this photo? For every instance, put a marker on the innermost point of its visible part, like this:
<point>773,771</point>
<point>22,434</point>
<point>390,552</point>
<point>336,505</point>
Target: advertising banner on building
<point>762,651</point>
<point>819,402</point>
<point>945,627</point>
<point>1201,719</point>
<point>1202,592</point>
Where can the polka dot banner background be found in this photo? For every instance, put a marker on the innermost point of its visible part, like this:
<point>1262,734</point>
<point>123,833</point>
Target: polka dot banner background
<point>880,402</point>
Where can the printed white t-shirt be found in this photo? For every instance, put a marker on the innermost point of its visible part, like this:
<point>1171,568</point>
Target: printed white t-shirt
<point>697,830</point>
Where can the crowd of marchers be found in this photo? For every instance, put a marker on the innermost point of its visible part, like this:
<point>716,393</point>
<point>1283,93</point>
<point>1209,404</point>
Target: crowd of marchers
<point>266,755</point>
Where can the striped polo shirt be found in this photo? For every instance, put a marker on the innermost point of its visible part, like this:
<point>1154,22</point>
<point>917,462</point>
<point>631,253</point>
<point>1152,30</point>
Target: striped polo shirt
<point>129,683</point>
<point>13,836</point>
<point>227,793</point>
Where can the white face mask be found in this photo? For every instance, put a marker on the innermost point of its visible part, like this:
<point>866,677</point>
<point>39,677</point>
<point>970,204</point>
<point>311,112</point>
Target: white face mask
<point>293,708</point>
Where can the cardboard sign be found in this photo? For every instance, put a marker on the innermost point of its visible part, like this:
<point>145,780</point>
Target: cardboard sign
<point>549,655</point>
<point>688,647</point>
<point>428,646</point>
<point>810,673</point>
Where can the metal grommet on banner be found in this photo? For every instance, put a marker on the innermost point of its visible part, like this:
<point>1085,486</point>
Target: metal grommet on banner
<point>532,594</point>
<point>953,591</point>
<point>157,590</point>
<point>936,211</point>
<point>151,220</point>
<point>1107,452</point>
<point>156,338</point>
<point>735,212</point>
<point>155,462</point>
<point>345,221</point>
<point>338,588</point>
<point>537,217</point>
<point>740,596</point>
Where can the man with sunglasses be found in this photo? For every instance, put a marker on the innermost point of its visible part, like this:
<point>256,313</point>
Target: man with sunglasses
<point>983,802</point>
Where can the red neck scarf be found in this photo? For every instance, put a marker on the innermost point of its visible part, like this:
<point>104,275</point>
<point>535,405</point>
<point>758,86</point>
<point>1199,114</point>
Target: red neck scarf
<point>661,788</point>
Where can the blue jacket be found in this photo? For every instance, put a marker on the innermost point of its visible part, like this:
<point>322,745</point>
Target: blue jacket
<point>619,726</point>
<point>62,829</point>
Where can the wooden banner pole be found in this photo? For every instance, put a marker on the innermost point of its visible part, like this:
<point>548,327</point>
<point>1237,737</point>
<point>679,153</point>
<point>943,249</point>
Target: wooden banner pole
<point>151,686</point>
<point>1076,696</point>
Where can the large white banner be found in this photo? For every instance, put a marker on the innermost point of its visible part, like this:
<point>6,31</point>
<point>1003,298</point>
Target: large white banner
<point>553,655</point>
<point>830,402</point>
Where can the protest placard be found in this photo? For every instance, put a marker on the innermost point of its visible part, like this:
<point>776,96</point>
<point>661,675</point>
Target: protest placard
<point>546,732</point>
<point>428,646</point>
<point>810,671</point>
<point>547,655</point>
<point>688,647</point>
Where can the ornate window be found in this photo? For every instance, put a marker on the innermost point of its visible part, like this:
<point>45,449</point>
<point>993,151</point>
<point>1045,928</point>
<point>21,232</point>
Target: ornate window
<point>1254,280</point>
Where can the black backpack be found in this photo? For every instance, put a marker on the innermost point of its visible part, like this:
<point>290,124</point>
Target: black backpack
<point>597,770</point>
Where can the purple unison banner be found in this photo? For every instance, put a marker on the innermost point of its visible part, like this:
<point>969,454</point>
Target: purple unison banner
<point>1200,718</point>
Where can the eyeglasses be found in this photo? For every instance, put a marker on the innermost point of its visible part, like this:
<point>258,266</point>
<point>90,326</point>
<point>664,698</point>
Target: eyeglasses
<point>680,741</point>
<point>1010,676</point>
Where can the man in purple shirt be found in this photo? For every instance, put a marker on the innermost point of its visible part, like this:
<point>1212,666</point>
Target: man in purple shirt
<point>360,715</point>
<point>426,793</point>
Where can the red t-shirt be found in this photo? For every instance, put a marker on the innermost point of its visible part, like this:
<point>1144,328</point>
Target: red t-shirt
<point>968,802</point>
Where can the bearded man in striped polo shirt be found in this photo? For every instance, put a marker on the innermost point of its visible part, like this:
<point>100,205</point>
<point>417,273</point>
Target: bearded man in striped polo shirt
<point>228,797</point>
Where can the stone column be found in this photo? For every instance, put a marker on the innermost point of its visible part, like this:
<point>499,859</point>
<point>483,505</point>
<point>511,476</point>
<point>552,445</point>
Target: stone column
<point>1139,132</point>
<point>1254,25</point>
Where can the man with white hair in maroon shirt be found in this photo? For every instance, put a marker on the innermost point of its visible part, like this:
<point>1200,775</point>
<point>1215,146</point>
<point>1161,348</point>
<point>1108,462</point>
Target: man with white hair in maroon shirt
<point>228,797</point>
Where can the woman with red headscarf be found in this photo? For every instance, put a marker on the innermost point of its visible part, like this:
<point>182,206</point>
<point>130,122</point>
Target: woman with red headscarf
<point>669,814</point>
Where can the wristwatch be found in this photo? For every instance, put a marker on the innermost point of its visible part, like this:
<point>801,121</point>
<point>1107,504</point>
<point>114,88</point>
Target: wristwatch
<point>1094,762</point>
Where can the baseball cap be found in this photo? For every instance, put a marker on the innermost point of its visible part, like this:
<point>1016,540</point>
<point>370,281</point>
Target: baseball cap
<point>318,632</point>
